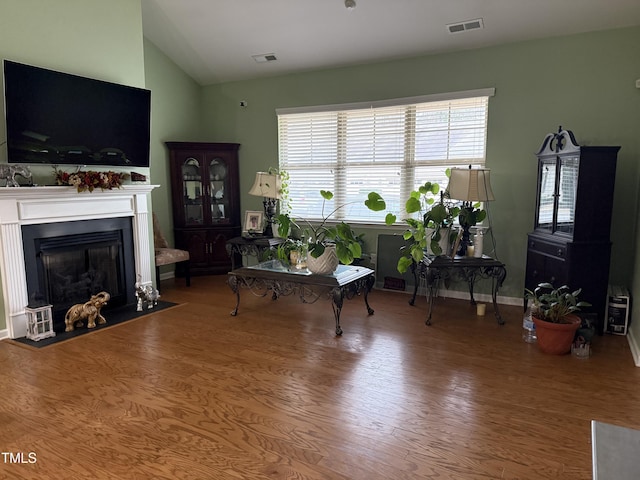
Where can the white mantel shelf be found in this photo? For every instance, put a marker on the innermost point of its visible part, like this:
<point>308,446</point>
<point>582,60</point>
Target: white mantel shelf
<point>49,204</point>
<point>54,191</point>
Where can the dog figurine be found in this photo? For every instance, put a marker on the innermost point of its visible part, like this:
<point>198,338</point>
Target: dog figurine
<point>89,311</point>
<point>146,295</point>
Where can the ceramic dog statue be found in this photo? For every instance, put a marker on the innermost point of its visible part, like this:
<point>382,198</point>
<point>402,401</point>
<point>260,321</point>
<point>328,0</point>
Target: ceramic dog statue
<point>9,172</point>
<point>89,311</point>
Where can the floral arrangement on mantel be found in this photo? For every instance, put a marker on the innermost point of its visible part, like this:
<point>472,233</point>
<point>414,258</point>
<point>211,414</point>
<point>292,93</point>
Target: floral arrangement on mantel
<point>91,180</point>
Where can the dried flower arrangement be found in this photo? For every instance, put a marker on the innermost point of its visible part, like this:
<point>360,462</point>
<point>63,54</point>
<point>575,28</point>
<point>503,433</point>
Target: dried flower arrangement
<point>90,180</point>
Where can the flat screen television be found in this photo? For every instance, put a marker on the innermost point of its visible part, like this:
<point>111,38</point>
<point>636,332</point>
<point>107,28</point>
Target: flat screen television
<point>60,119</point>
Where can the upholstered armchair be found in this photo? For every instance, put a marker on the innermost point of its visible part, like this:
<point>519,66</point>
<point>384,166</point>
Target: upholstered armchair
<point>164,255</point>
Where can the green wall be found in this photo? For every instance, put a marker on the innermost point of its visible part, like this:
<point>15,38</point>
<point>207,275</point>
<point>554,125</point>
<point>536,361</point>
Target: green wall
<point>176,116</point>
<point>585,83</point>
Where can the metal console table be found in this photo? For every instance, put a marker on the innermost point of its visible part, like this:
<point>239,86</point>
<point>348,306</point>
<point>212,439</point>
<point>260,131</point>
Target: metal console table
<point>469,269</point>
<point>251,246</point>
<point>272,276</point>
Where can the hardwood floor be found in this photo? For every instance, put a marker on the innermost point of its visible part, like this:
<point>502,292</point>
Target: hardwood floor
<point>193,393</point>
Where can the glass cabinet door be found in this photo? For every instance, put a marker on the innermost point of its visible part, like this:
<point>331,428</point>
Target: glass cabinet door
<point>547,194</point>
<point>567,189</point>
<point>192,189</point>
<point>218,188</point>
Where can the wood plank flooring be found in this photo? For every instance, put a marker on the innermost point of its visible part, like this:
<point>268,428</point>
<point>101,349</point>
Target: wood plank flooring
<point>194,393</point>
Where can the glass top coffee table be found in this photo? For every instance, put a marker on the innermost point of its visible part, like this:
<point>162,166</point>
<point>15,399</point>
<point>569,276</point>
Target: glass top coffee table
<point>272,276</point>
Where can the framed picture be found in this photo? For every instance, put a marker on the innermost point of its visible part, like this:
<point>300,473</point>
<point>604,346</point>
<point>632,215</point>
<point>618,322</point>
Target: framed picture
<point>253,221</point>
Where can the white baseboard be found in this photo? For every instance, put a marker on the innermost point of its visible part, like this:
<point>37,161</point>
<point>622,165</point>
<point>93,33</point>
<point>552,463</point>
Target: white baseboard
<point>4,334</point>
<point>461,295</point>
<point>633,345</point>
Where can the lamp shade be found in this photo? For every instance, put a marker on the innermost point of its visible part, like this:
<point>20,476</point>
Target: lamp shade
<point>470,185</point>
<point>266,185</point>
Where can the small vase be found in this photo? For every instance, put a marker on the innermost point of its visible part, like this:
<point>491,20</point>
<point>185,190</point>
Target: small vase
<point>326,263</point>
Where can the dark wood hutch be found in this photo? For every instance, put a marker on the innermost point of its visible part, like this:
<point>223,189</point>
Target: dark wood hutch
<point>570,243</point>
<point>205,191</point>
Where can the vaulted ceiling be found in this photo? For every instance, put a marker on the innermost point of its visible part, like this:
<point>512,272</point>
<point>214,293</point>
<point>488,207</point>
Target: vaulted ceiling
<point>215,41</point>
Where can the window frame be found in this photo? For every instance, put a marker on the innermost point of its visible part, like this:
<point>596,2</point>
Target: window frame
<point>340,165</point>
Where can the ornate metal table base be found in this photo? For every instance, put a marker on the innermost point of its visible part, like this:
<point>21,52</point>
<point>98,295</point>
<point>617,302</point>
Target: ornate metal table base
<point>433,269</point>
<point>347,282</point>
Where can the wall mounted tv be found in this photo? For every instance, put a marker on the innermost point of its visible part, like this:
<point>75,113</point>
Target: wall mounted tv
<point>60,119</point>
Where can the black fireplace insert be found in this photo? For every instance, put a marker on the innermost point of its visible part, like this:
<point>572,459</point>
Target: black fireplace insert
<point>67,262</point>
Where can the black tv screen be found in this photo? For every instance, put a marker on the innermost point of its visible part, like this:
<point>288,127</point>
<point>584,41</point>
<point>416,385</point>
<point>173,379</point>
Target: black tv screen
<point>59,118</point>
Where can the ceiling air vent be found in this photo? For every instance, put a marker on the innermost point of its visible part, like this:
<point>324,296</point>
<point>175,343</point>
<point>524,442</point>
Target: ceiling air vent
<point>465,26</point>
<point>264,57</point>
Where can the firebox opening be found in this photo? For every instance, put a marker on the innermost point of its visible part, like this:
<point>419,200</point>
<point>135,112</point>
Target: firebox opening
<point>67,262</point>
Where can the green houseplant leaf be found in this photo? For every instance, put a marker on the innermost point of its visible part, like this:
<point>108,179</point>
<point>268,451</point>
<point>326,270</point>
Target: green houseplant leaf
<point>375,202</point>
<point>554,304</point>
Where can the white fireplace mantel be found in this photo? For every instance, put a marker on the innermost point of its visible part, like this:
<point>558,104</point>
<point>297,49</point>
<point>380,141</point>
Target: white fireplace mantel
<point>37,205</point>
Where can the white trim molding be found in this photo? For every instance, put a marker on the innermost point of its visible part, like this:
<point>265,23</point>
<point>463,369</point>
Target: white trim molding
<point>633,345</point>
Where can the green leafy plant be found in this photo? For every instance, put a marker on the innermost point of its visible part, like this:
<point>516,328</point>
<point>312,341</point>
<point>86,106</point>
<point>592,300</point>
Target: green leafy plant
<point>283,250</point>
<point>436,219</point>
<point>285,199</point>
<point>471,215</point>
<point>323,233</point>
<point>554,304</point>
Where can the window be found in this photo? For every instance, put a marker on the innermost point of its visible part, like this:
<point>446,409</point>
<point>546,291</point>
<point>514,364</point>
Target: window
<point>388,147</point>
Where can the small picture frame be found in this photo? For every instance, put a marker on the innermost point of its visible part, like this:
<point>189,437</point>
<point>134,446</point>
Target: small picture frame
<point>253,222</point>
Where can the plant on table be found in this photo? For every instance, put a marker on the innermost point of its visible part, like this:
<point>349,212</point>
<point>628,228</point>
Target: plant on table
<point>434,223</point>
<point>288,251</point>
<point>321,234</point>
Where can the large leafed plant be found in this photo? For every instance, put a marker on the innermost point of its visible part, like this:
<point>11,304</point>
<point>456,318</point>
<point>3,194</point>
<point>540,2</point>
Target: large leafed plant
<point>325,232</point>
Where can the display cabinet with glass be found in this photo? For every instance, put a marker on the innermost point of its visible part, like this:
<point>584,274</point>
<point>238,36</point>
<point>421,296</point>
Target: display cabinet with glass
<point>570,243</point>
<point>206,202</point>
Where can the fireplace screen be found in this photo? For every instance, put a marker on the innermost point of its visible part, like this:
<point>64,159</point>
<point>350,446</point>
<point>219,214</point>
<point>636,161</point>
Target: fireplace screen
<point>68,262</point>
<point>72,276</point>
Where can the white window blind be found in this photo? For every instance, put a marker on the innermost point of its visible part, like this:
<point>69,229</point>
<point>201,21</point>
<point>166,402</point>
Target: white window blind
<point>389,147</point>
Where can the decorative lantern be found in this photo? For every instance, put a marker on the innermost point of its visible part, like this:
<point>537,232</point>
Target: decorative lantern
<point>39,322</point>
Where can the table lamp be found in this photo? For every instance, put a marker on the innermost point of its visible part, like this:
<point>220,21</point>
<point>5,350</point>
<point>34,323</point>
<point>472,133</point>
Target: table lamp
<point>267,186</point>
<point>469,185</point>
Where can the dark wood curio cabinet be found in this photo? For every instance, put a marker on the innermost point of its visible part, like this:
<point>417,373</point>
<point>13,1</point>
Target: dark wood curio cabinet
<point>206,202</point>
<point>570,243</point>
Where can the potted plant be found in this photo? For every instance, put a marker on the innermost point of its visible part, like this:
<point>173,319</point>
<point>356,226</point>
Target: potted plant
<point>470,215</point>
<point>432,232</point>
<point>553,312</point>
<point>339,240</point>
<point>292,252</point>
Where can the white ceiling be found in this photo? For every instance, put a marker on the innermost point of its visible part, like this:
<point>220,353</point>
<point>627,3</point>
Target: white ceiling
<point>214,40</point>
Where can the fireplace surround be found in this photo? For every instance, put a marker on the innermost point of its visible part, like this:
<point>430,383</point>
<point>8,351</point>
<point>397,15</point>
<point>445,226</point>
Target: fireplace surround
<point>48,205</point>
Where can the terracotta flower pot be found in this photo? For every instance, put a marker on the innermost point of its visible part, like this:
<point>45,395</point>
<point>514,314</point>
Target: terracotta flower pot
<point>556,338</point>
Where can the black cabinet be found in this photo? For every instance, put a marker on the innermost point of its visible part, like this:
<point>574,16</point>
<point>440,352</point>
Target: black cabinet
<point>206,202</point>
<point>570,243</point>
